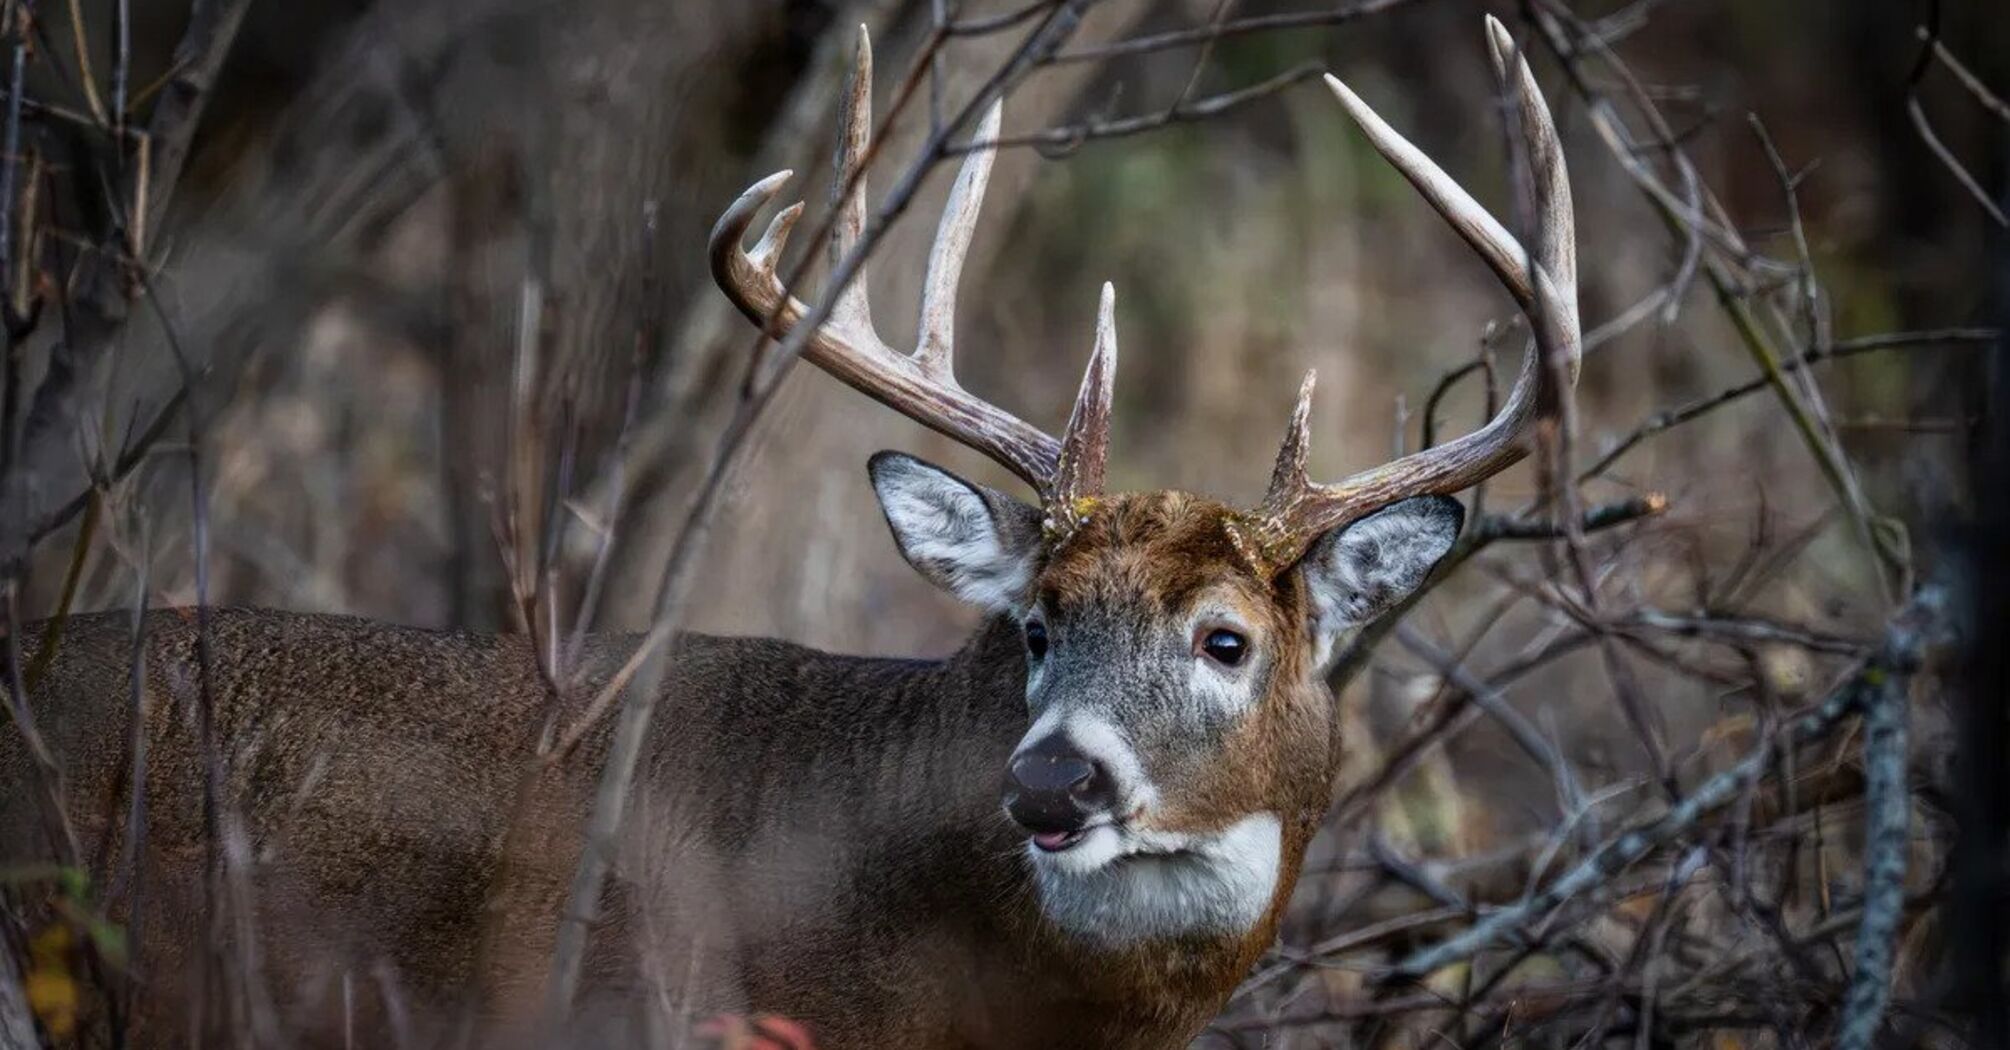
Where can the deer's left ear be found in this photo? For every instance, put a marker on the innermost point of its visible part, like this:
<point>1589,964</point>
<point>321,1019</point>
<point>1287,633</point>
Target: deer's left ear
<point>1361,570</point>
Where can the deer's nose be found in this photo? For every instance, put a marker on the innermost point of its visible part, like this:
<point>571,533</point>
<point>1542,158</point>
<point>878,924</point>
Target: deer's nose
<point>1052,787</point>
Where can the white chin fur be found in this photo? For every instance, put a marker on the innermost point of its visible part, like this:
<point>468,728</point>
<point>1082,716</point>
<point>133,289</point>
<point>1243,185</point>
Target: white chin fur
<point>1123,886</point>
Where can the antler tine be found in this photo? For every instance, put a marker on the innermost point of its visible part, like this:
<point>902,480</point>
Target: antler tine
<point>1550,299</point>
<point>852,311</point>
<point>724,247</point>
<point>1556,225</point>
<point>934,343</point>
<point>1085,446</point>
<point>767,251</point>
<point>1486,235</point>
<point>846,345</point>
<point>1288,479</point>
<point>1295,511</point>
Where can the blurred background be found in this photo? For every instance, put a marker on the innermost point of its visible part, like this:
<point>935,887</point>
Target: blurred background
<point>371,186</point>
<point>430,297</point>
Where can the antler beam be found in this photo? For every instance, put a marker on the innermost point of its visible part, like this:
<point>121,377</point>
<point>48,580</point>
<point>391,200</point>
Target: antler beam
<point>1296,510</point>
<point>921,385</point>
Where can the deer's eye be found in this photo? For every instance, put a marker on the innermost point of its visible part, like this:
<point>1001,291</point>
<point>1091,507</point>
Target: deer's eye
<point>1036,638</point>
<point>1223,646</point>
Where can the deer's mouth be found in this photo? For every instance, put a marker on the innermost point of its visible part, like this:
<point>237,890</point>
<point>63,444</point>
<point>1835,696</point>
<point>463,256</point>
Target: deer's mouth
<point>1098,845</point>
<point>1107,831</point>
<point>1058,841</point>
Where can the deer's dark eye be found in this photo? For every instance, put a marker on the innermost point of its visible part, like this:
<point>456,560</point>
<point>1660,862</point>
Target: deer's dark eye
<point>1036,638</point>
<point>1224,646</point>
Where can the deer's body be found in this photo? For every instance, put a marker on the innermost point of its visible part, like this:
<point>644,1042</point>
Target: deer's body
<point>876,893</point>
<point>1079,830</point>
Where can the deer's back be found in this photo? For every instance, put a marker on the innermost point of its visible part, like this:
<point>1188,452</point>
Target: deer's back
<point>369,773</point>
<point>378,779</point>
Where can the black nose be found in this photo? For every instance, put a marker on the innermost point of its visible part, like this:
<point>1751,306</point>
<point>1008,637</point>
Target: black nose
<point>1052,787</point>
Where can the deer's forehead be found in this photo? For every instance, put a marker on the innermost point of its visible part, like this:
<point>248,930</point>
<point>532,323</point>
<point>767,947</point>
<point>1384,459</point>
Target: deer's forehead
<point>1162,550</point>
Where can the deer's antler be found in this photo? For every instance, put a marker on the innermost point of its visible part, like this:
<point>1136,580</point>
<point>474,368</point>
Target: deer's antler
<point>921,385</point>
<point>1296,510</point>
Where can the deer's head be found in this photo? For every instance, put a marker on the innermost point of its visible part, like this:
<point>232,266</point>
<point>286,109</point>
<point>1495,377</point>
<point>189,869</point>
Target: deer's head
<point>1182,737</point>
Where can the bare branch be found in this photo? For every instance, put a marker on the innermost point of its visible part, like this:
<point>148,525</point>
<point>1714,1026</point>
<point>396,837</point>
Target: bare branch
<point>1203,35</point>
<point>1894,662</point>
<point>1929,36</point>
<point>1055,141</point>
<point>1887,823</point>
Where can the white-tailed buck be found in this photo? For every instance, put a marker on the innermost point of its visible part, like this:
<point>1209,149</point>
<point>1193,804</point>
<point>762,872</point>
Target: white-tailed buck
<point>1080,829</point>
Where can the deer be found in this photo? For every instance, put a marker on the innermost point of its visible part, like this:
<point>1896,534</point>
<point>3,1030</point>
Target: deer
<point>1079,829</point>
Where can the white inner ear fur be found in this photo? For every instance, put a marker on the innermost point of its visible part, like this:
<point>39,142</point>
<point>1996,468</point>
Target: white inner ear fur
<point>947,530</point>
<point>1362,570</point>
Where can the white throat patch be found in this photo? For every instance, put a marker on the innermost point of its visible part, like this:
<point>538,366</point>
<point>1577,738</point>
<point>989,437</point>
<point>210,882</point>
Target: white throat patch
<point>1122,886</point>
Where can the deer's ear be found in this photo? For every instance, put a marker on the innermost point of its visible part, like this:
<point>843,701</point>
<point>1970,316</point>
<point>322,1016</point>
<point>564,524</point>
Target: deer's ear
<point>1361,570</point>
<point>980,545</point>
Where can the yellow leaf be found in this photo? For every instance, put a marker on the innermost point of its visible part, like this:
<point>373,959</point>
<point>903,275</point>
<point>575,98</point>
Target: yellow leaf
<point>52,993</point>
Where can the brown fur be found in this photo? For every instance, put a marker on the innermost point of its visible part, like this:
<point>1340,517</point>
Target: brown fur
<point>812,835</point>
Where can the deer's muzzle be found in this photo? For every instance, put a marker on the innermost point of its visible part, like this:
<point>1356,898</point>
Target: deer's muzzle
<point>1055,792</point>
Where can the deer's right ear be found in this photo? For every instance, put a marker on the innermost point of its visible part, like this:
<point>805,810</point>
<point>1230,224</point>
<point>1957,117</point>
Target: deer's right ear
<point>980,545</point>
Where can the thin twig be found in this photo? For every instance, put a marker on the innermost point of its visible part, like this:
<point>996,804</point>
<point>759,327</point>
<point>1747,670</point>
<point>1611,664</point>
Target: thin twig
<point>1202,35</point>
<point>1524,734</point>
<point>1481,364</point>
<point>1667,419</point>
<point>648,335</point>
<point>86,78</point>
<point>1744,630</point>
<point>1929,35</point>
<point>1967,78</point>
<point>122,65</point>
<point>989,24</point>
<point>1604,516</point>
<point>1058,140</point>
<point>10,148</point>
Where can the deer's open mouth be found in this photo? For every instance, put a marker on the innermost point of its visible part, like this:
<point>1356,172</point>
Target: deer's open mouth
<point>1098,844</point>
<point>1083,849</point>
<point>1056,841</point>
<point>1063,841</point>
